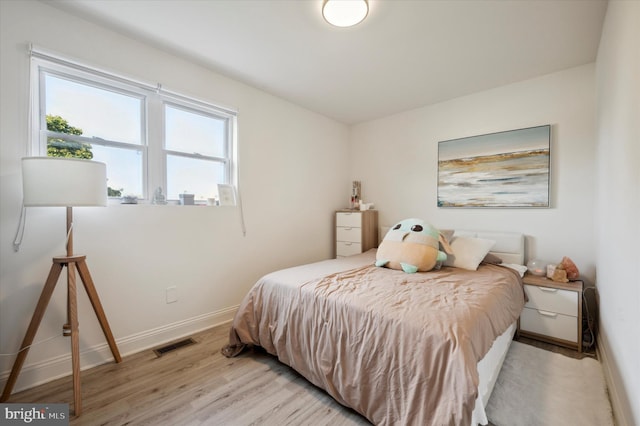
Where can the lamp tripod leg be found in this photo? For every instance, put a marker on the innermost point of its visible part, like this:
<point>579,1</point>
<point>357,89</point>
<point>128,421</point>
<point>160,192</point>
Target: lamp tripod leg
<point>38,314</point>
<point>90,288</point>
<point>72,315</point>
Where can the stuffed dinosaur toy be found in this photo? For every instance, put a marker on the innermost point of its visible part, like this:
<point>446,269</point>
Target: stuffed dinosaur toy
<point>412,245</point>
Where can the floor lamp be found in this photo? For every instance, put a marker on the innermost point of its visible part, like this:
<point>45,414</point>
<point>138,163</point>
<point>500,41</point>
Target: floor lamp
<point>49,181</point>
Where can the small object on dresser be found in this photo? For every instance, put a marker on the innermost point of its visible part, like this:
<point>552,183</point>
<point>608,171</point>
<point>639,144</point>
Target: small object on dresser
<point>356,195</point>
<point>537,267</point>
<point>129,199</point>
<point>572,270</point>
<point>559,275</point>
<point>551,268</point>
<point>158,197</point>
<point>187,199</point>
<point>565,271</point>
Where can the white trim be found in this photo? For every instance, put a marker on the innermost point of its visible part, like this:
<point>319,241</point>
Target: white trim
<point>197,103</point>
<point>60,366</point>
<point>66,61</point>
<point>621,412</point>
<point>51,56</point>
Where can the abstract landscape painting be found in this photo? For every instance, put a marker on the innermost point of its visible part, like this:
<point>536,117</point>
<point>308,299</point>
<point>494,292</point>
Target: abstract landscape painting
<point>505,169</point>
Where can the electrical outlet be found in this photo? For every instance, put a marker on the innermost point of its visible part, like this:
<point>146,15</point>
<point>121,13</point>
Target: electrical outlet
<point>172,294</point>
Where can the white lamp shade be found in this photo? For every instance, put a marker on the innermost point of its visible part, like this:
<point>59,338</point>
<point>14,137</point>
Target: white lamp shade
<point>69,182</point>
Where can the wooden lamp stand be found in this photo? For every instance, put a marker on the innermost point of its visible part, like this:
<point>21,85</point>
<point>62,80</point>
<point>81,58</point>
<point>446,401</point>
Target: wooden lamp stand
<point>73,263</point>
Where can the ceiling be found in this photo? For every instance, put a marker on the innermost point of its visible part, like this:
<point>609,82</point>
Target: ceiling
<point>406,53</point>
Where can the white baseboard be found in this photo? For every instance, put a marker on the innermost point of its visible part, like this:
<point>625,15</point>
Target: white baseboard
<point>42,372</point>
<point>621,410</point>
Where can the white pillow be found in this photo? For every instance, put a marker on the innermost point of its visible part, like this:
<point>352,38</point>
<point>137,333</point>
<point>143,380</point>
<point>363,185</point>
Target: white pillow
<point>468,252</point>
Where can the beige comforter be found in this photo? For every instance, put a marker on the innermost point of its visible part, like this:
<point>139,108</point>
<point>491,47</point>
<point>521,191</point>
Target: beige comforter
<point>398,348</point>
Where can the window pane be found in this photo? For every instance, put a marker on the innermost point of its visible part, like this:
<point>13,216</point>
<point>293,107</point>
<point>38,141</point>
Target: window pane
<point>58,147</point>
<point>190,132</point>
<point>194,176</point>
<point>96,112</point>
<point>124,169</point>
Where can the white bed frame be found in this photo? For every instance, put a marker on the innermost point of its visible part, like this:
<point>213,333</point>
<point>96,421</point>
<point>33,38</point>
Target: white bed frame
<point>509,247</point>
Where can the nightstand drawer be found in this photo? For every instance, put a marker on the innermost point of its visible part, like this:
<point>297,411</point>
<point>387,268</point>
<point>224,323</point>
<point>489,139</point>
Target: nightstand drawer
<point>349,220</point>
<point>345,248</point>
<point>353,235</point>
<point>549,324</point>
<point>552,300</point>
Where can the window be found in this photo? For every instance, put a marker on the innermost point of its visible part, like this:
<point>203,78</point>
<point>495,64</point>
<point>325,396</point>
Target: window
<point>85,119</point>
<point>149,138</point>
<point>196,151</point>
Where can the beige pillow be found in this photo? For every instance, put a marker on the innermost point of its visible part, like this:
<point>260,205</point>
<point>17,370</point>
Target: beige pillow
<point>468,252</point>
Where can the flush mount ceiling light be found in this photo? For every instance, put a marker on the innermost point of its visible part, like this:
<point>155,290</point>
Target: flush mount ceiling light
<point>345,13</point>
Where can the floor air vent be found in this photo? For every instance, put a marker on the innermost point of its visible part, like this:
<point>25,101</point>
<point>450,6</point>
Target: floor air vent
<point>174,346</point>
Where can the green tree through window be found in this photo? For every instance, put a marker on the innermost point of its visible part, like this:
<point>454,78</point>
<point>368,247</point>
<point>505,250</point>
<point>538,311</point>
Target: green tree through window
<point>57,147</point>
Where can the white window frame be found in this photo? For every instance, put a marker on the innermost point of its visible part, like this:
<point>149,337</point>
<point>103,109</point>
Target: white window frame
<point>40,132</point>
<point>197,107</point>
<point>154,98</point>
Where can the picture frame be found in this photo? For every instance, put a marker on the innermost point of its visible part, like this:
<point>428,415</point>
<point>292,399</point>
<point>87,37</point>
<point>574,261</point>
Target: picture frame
<point>503,169</point>
<point>227,194</point>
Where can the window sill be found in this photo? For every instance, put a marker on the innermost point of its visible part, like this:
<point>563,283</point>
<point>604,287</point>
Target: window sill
<point>118,202</point>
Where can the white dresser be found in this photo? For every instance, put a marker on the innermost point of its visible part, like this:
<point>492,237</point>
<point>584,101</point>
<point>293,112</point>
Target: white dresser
<point>356,231</point>
<point>553,312</point>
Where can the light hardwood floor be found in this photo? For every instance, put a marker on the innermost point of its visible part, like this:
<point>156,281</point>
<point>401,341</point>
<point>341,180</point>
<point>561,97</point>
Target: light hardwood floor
<point>196,385</point>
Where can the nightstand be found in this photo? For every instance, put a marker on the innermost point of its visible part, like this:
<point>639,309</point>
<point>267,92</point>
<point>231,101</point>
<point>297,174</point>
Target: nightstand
<point>356,231</point>
<point>554,311</point>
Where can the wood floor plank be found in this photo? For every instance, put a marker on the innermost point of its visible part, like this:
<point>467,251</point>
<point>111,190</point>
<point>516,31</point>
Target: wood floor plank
<point>196,385</point>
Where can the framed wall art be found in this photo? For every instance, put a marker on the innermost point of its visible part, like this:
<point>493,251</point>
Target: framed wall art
<point>504,169</point>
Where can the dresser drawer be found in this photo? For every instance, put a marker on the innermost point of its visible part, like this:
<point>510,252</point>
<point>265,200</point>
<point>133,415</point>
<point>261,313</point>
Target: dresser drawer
<point>552,300</point>
<point>349,219</point>
<point>355,231</point>
<point>353,235</point>
<point>550,324</point>
<point>345,248</point>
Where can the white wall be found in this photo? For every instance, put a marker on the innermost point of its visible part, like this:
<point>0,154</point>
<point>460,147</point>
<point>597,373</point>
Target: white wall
<point>396,159</point>
<point>136,252</point>
<point>618,205</point>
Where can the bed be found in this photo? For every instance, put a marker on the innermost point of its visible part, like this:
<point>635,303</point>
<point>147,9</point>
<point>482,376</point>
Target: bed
<point>398,348</point>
